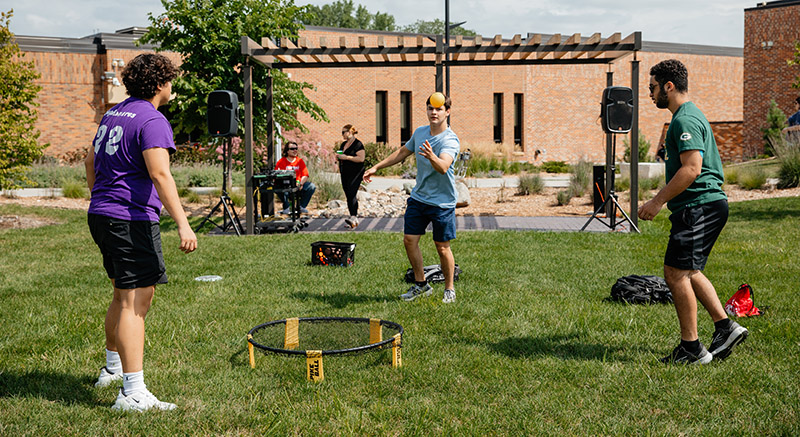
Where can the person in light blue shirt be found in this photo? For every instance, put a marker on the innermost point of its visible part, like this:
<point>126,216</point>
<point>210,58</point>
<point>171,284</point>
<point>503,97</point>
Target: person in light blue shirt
<point>433,200</point>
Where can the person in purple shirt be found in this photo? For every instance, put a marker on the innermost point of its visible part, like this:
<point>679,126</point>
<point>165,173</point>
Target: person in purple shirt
<point>128,174</point>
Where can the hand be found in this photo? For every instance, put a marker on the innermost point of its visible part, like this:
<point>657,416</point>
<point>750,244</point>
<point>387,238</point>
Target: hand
<point>188,239</point>
<point>369,173</point>
<point>426,151</point>
<point>341,156</point>
<point>649,210</point>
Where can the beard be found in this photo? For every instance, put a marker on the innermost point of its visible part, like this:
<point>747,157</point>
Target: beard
<point>662,102</point>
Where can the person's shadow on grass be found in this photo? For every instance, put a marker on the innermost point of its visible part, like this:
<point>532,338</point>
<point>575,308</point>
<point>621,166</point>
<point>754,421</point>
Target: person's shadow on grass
<point>566,347</point>
<point>57,387</point>
<point>339,300</point>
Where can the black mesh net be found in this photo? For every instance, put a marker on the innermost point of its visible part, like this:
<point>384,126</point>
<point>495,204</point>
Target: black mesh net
<point>331,335</point>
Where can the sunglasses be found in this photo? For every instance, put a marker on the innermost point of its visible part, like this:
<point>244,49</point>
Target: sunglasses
<point>345,131</point>
<point>292,148</point>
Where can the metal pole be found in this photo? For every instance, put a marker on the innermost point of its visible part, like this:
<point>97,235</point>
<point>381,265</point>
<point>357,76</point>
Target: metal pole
<point>609,158</point>
<point>635,142</point>
<point>247,71</point>
<point>439,53</point>
<point>446,47</point>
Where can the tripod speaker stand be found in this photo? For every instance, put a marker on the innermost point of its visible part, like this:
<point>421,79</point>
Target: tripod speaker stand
<point>229,217</point>
<point>610,204</point>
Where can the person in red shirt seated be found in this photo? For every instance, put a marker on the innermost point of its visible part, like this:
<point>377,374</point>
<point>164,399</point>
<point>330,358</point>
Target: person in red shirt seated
<point>291,161</point>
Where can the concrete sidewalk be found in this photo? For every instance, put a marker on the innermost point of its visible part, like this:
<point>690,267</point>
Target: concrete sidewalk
<point>557,180</point>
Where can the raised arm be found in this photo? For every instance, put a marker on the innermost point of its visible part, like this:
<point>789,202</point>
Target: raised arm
<point>397,156</point>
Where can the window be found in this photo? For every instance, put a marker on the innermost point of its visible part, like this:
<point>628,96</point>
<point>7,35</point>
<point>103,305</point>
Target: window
<point>380,117</point>
<point>518,122</point>
<point>498,117</point>
<point>405,116</point>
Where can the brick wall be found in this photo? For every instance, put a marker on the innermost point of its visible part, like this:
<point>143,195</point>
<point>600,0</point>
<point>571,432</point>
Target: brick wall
<point>727,134</point>
<point>766,73</point>
<point>561,103</point>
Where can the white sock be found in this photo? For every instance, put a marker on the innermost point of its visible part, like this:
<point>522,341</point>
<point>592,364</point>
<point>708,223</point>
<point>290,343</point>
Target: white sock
<point>133,382</point>
<point>113,362</point>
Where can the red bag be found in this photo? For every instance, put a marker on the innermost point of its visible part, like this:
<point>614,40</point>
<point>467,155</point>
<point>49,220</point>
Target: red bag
<point>741,303</point>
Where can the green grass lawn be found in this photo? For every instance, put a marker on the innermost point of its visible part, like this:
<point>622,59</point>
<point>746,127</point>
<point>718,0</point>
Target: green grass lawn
<point>530,347</point>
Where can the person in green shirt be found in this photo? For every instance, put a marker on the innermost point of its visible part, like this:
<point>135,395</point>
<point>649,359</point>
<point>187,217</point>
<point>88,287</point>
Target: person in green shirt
<point>699,210</point>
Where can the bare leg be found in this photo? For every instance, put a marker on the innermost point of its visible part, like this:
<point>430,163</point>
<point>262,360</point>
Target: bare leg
<point>707,295</point>
<point>411,242</point>
<point>134,304</point>
<point>112,318</point>
<point>680,285</point>
<point>448,263</point>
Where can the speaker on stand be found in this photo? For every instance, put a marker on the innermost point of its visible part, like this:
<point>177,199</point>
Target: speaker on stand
<point>223,107</point>
<point>616,114</point>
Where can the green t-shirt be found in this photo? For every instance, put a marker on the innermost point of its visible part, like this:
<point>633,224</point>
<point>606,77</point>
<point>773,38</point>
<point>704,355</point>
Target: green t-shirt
<point>689,130</point>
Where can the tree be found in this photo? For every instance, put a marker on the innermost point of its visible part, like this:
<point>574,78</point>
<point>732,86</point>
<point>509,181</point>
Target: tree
<point>207,34</point>
<point>795,61</point>
<point>19,145</point>
<point>435,27</point>
<point>343,14</point>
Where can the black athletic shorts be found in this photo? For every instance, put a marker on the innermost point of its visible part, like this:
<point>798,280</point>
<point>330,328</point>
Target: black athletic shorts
<point>694,232</point>
<point>131,251</point>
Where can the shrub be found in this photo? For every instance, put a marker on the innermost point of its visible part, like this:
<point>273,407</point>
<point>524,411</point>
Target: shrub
<point>788,153</point>
<point>732,176</point>
<point>622,184</point>
<point>495,174</point>
<point>50,174</point>
<point>776,121</point>
<point>329,187</point>
<point>377,152</point>
<point>563,197</point>
<point>74,189</point>
<point>530,184</point>
<point>753,179</point>
<point>555,167</point>
<point>644,148</point>
<point>581,179</point>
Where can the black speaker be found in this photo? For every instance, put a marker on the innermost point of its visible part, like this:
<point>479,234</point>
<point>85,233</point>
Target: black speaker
<point>598,186</point>
<point>616,110</point>
<point>222,109</point>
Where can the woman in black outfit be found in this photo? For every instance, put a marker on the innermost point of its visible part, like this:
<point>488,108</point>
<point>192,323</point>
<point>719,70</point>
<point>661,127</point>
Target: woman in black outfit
<point>351,156</point>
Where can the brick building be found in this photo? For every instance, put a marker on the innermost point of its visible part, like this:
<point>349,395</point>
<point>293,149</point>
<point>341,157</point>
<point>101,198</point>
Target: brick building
<point>551,112</point>
<point>771,31</point>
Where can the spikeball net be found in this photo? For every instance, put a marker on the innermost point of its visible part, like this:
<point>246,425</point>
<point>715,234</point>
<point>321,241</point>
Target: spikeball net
<point>318,337</point>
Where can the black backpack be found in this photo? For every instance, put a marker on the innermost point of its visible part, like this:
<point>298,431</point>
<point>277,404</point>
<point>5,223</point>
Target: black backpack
<point>640,290</point>
<point>433,274</point>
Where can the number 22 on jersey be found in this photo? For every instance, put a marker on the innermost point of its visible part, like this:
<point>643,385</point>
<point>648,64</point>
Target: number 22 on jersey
<point>112,144</point>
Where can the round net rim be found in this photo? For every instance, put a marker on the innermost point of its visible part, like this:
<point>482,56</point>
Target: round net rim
<point>379,345</point>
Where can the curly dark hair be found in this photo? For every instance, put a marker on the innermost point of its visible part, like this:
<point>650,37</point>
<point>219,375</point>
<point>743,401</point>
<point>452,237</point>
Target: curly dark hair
<point>146,72</point>
<point>671,70</point>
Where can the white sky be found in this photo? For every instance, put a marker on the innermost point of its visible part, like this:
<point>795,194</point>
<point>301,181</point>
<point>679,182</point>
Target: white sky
<point>708,22</point>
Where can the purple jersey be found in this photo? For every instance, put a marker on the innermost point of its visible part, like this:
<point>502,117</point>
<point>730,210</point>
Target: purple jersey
<point>123,188</point>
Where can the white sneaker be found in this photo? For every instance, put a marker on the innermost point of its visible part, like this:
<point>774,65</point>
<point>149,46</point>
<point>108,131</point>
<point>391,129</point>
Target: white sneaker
<point>107,378</point>
<point>416,291</point>
<point>140,401</point>
<point>449,296</point>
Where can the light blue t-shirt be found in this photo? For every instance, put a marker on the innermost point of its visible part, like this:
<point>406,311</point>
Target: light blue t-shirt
<point>434,188</point>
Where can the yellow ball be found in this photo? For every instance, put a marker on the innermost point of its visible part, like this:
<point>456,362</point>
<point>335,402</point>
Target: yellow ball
<point>437,100</point>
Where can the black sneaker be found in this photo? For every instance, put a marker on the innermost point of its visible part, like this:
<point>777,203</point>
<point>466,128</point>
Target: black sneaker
<point>723,340</point>
<point>680,355</point>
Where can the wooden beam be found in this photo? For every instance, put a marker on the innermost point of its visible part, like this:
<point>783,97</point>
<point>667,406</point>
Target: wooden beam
<point>402,44</point>
<point>554,40</point>
<point>362,44</point>
<point>382,46</point>
<point>302,42</point>
<point>420,43</point>
<point>323,44</point>
<point>343,46</point>
<point>516,40</point>
<point>458,44</point>
<point>496,41</point>
<point>268,44</point>
<point>476,42</point>
<point>573,40</point>
<point>252,49</point>
<point>287,43</point>
<point>613,39</point>
<point>533,41</point>
<point>591,41</point>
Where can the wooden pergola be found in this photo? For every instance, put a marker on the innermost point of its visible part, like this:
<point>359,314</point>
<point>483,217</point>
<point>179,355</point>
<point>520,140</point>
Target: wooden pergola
<point>431,50</point>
